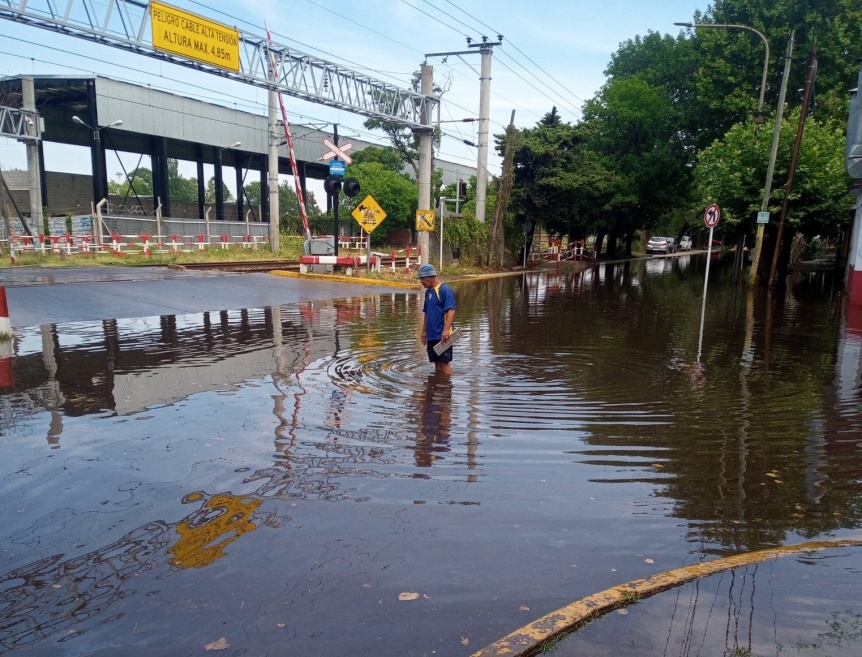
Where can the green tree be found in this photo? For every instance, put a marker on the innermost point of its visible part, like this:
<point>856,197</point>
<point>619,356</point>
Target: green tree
<point>139,181</point>
<point>384,155</point>
<point>210,193</point>
<point>557,180</point>
<point>633,132</point>
<point>180,188</point>
<point>732,173</point>
<point>394,192</point>
<point>288,205</point>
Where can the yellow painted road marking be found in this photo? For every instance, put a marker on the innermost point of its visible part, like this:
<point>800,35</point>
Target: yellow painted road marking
<point>529,639</point>
<point>347,279</point>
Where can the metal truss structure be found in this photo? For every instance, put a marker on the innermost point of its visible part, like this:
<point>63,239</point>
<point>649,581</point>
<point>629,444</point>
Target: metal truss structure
<point>125,24</point>
<point>19,124</point>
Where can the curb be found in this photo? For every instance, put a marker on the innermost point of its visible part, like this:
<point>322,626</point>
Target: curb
<point>345,279</point>
<point>529,639</point>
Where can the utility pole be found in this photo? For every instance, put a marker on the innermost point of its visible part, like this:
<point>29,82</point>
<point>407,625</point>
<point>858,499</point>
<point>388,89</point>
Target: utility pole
<point>272,160</point>
<point>424,178</point>
<point>485,48</point>
<point>335,199</point>
<point>28,93</point>
<point>806,99</point>
<point>770,169</point>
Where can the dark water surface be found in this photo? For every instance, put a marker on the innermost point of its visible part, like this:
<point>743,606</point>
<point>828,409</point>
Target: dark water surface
<point>273,481</point>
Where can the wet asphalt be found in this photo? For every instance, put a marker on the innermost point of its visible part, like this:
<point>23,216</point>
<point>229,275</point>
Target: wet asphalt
<point>48,295</point>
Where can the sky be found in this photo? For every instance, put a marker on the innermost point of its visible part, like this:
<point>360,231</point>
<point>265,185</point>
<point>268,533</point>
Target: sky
<point>554,53</point>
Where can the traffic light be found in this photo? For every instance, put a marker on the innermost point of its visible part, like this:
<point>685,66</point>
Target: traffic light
<point>462,189</point>
<point>332,184</point>
<point>351,187</point>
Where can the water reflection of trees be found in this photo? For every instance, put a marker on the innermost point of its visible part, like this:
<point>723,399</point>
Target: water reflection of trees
<point>755,454</point>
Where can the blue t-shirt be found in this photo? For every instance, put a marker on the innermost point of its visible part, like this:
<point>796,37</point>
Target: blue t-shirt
<point>438,300</point>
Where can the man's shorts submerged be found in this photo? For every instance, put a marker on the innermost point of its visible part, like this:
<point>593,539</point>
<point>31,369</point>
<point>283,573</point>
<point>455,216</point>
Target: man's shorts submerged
<point>445,357</point>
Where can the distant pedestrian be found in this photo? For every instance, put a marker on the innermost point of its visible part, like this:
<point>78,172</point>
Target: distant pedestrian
<point>439,313</point>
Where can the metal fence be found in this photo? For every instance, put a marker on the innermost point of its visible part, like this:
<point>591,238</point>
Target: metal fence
<point>121,234</point>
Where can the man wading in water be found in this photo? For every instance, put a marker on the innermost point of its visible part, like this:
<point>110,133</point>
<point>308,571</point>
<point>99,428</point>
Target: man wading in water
<point>439,313</point>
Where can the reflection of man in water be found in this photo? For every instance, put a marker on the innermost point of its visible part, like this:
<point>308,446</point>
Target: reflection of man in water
<point>439,313</point>
<point>435,408</point>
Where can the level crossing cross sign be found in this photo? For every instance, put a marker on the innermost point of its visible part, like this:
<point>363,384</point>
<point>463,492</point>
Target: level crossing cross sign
<point>337,151</point>
<point>368,214</point>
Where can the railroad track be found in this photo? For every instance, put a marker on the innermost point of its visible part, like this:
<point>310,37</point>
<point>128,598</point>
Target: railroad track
<point>247,266</point>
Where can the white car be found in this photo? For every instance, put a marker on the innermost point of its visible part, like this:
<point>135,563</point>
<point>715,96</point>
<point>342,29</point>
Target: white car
<point>684,243</point>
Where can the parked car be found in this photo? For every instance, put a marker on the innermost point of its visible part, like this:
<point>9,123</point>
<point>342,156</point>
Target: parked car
<point>684,243</point>
<point>660,245</point>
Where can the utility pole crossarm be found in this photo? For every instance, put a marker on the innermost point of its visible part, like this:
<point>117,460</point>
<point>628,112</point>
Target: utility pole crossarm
<point>125,24</point>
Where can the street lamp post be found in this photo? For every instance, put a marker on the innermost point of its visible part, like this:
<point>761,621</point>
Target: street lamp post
<point>218,186</point>
<point>98,129</point>
<point>770,169</point>
<point>100,176</point>
<point>732,26</point>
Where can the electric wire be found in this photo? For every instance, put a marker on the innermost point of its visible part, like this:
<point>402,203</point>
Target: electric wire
<point>224,13</point>
<point>304,45</point>
<point>358,132</point>
<point>243,101</point>
<point>556,102</point>
<point>509,42</point>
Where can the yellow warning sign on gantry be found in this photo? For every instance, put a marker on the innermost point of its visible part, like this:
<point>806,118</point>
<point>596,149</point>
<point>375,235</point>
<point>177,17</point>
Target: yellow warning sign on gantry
<point>425,220</point>
<point>181,33</point>
<point>368,214</point>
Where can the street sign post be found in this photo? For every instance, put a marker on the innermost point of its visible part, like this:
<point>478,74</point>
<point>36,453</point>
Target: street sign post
<point>710,218</point>
<point>369,215</point>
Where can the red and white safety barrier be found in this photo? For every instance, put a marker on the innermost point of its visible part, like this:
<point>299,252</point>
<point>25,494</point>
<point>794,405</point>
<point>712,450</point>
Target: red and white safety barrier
<point>408,252</point>
<point>144,243</point>
<point>342,261</point>
<point>5,326</point>
<point>7,380</point>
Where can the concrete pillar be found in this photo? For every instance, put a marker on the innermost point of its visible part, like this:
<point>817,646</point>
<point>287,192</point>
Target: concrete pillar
<point>28,91</point>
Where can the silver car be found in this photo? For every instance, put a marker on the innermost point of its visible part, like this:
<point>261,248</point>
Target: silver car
<point>660,245</point>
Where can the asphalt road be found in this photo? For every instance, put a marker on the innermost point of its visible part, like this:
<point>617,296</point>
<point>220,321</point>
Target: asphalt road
<point>52,295</point>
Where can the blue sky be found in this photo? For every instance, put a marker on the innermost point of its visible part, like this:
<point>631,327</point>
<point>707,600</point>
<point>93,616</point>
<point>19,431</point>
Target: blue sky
<point>554,52</point>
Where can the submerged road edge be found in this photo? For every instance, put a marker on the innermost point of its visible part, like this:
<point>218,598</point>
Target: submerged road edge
<point>345,279</point>
<point>529,639</point>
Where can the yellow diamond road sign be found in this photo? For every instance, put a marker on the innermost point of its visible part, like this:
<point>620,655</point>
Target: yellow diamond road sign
<point>425,220</point>
<point>368,214</point>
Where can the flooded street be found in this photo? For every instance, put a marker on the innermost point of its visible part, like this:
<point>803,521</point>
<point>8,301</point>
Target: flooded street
<point>295,480</point>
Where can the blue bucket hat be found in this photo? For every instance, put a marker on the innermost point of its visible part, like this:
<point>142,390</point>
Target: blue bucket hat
<point>427,270</point>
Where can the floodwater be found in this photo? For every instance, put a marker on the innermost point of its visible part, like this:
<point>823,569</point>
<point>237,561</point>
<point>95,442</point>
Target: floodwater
<point>294,480</point>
